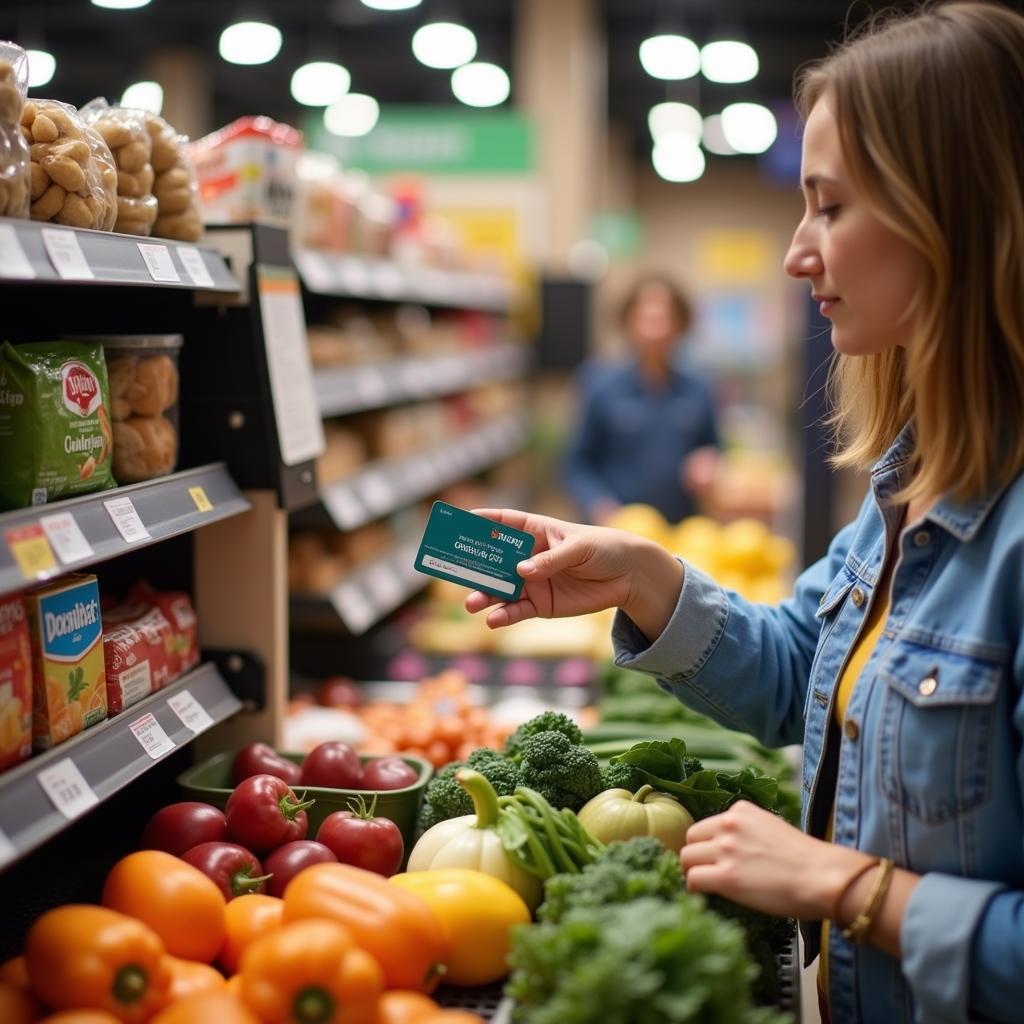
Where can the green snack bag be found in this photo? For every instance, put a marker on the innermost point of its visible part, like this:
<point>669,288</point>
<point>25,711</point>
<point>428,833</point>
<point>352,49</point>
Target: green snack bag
<point>55,437</point>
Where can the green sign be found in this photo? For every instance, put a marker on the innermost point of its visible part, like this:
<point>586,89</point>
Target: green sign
<point>445,140</point>
<point>620,232</point>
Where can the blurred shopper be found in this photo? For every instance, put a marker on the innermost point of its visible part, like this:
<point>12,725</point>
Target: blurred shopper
<point>899,661</point>
<point>647,431</point>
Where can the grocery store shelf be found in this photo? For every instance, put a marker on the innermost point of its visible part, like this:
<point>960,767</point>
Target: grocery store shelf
<point>33,252</point>
<point>31,539</point>
<point>384,487</point>
<point>346,389</point>
<point>358,277</point>
<point>108,757</point>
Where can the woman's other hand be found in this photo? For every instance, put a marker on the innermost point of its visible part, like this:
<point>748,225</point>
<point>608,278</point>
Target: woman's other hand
<point>577,569</point>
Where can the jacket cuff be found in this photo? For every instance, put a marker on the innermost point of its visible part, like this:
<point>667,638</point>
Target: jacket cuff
<point>939,922</point>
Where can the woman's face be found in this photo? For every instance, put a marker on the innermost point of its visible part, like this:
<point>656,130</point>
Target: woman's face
<point>863,275</point>
<point>652,324</point>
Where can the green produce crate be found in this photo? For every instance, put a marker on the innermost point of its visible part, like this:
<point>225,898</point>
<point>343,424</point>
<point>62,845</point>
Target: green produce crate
<point>210,782</point>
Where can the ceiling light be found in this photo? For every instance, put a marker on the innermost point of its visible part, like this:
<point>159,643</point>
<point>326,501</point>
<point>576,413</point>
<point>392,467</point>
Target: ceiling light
<point>120,5</point>
<point>728,61</point>
<point>392,5</point>
<point>480,84</point>
<point>41,66</point>
<point>354,114</point>
<point>319,83</point>
<point>749,127</point>
<point>144,96</point>
<point>674,118</point>
<point>443,44</point>
<point>678,158</point>
<point>670,57</point>
<point>250,42</point>
<point>713,139</point>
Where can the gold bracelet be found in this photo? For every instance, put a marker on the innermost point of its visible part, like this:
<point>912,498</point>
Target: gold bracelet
<point>859,927</point>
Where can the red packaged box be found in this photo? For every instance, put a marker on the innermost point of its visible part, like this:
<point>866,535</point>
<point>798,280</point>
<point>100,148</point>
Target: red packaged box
<point>15,684</point>
<point>177,609</point>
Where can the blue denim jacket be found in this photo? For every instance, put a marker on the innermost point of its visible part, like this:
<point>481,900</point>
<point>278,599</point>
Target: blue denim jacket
<point>929,768</point>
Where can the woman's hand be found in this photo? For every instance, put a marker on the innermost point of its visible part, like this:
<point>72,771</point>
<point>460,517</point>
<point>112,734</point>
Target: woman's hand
<point>754,857</point>
<point>579,569</point>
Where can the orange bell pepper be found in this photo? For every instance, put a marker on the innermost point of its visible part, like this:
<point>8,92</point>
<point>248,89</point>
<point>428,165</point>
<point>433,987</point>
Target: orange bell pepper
<point>190,976</point>
<point>311,972</point>
<point>176,900</point>
<point>84,957</point>
<point>396,926</point>
<point>80,1017</point>
<point>246,920</point>
<point>398,1007</point>
<point>206,1008</point>
<point>16,1005</point>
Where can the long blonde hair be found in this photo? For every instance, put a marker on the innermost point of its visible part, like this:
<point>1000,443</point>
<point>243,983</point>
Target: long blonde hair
<point>931,114</point>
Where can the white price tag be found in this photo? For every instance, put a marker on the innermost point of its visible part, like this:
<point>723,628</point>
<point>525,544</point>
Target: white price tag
<point>377,491</point>
<point>65,785</point>
<point>66,255</point>
<point>13,261</point>
<point>126,519</point>
<point>192,260</point>
<point>343,506</point>
<point>7,849</point>
<point>151,736</point>
<point>158,262</point>
<point>192,714</point>
<point>371,385</point>
<point>66,537</point>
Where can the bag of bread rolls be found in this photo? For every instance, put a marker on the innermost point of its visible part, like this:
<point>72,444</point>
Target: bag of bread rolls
<point>14,154</point>
<point>175,183</point>
<point>124,131</point>
<point>73,179</point>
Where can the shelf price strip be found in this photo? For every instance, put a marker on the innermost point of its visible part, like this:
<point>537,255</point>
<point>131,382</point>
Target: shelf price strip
<point>66,537</point>
<point>158,262</point>
<point>192,714</point>
<point>66,787</point>
<point>126,519</point>
<point>31,550</point>
<point>151,736</point>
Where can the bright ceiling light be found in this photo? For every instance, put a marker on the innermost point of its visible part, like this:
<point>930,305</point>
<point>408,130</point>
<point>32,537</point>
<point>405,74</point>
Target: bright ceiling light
<point>674,118</point>
<point>677,158</point>
<point>144,96</point>
<point>319,83</point>
<point>443,44</point>
<point>728,61</point>
<point>392,5</point>
<point>714,140</point>
<point>120,5</point>
<point>250,42</point>
<point>749,127</point>
<point>480,84</point>
<point>41,66</point>
<point>352,115</point>
<point>670,57</point>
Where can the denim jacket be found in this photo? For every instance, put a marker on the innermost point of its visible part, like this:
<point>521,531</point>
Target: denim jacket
<point>929,767</point>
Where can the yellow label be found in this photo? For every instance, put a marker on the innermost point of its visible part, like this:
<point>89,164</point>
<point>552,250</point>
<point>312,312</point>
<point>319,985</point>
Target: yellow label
<point>203,503</point>
<point>31,550</point>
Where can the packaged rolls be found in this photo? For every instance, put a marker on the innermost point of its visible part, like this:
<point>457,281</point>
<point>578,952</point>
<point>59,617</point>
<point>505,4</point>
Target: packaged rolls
<point>14,153</point>
<point>174,184</point>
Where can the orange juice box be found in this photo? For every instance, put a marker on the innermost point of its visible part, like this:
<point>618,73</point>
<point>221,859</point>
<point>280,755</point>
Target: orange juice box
<point>15,684</point>
<point>67,658</point>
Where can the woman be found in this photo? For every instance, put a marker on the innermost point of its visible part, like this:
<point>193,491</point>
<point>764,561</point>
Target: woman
<point>647,431</point>
<point>899,661</point>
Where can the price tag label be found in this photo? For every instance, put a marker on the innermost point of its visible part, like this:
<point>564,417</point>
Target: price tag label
<point>377,491</point>
<point>66,255</point>
<point>126,519</point>
<point>7,849</point>
<point>65,785</point>
<point>13,261</point>
<point>192,260</point>
<point>66,537</point>
<point>371,385</point>
<point>158,261</point>
<point>31,550</point>
<point>343,506</point>
<point>192,714</point>
<point>203,503</point>
<point>151,736</point>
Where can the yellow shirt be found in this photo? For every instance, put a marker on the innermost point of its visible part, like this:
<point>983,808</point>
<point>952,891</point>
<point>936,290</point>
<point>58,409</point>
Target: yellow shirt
<point>862,650</point>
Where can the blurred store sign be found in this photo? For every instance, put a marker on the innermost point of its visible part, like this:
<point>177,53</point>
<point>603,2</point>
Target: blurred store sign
<point>736,257</point>
<point>444,140</point>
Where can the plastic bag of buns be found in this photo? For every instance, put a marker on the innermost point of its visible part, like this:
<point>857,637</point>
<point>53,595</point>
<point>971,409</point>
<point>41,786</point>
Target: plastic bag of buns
<point>14,154</point>
<point>175,183</point>
<point>124,131</point>
<point>73,179</point>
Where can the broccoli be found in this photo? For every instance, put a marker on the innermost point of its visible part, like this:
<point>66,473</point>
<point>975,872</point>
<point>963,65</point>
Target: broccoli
<point>621,776</point>
<point>548,721</point>
<point>692,765</point>
<point>565,774</point>
<point>445,798</point>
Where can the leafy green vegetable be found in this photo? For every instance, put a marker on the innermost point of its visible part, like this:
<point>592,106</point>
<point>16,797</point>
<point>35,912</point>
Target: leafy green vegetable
<point>547,721</point>
<point>564,773</point>
<point>642,962</point>
<point>620,776</point>
<point>445,798</point>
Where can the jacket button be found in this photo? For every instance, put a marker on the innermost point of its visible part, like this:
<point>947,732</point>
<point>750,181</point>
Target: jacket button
<point>922,538</point>
<point>851,729</point>
<point>927,686</point>
<point>857,597</point>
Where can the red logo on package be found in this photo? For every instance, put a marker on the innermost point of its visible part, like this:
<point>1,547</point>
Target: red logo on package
<point>80,388</point>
